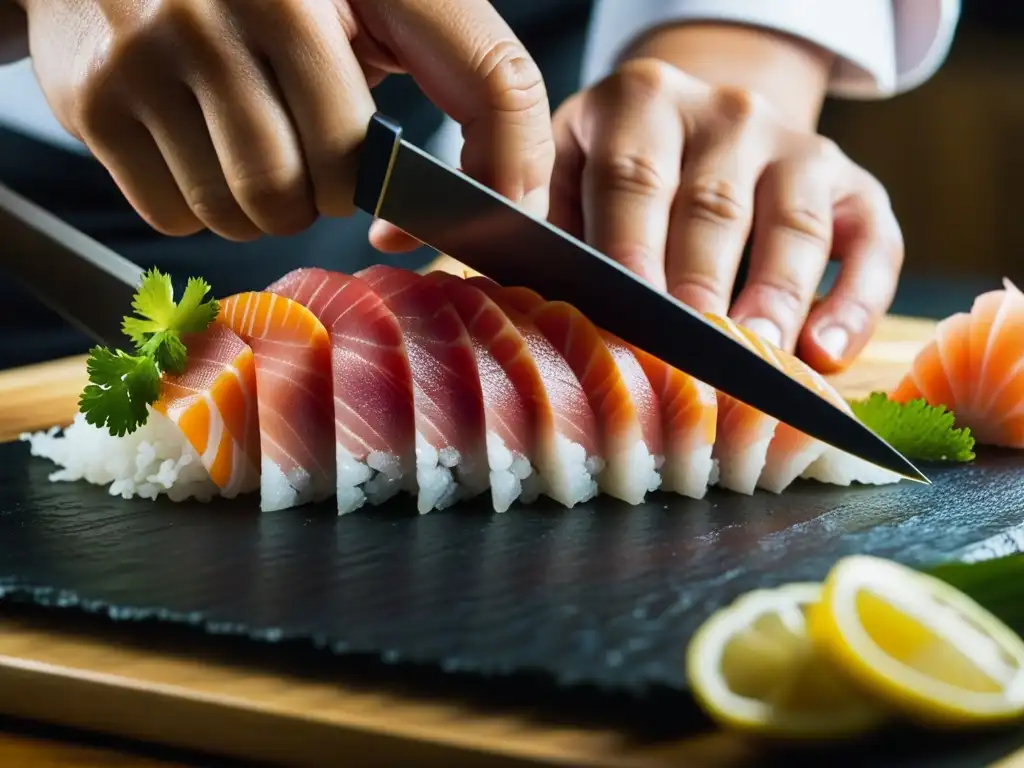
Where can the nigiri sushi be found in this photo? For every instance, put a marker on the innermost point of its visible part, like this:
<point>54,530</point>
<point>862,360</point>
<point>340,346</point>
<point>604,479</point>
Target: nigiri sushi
<point>755,450</point>
<point>974,366</point>
<point>200,440</point>
<point>451,444</point>
<point>614,383</point>
<point>294,396</point>
<point>374,422</point>
<point>689,421</point>
<point>510,410</point>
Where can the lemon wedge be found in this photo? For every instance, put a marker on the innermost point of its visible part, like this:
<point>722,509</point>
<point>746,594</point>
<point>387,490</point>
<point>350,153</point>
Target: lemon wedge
<point>752,667</point>
<point>918,644</point>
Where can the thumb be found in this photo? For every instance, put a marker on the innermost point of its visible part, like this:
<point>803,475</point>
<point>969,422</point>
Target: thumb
<point>470,64</point>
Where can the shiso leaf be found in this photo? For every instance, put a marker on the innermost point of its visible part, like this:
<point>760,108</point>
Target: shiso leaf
<point>919,431</point>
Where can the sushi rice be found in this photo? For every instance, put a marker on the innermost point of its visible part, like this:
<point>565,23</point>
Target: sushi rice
<point>154,460</point>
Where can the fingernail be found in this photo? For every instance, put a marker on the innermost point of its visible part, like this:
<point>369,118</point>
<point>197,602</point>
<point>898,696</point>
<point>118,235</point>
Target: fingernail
<point>764,328</point>
<point>536,202</point>
<point>833,340</point>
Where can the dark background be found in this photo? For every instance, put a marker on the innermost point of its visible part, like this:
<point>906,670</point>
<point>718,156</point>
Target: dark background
<point>951,152</point>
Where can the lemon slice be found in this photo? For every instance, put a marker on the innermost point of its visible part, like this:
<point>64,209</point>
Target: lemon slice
<point>752,667</point>
<point>919,644</point>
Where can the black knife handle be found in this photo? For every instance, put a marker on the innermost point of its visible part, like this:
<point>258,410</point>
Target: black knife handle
<point>376,156</point>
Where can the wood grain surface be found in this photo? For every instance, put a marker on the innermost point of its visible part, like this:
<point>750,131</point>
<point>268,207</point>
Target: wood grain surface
<point>101,681</point>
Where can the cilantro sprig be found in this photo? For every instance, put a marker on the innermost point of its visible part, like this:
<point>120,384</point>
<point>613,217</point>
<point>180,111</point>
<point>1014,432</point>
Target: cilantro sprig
<point>122,386</point>
<point>919,431</point>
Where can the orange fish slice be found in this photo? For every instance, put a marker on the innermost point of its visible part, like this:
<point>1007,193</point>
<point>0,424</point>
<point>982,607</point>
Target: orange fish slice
<point>616,387</point>
<point>974,366</point>
<point>213,403</point>
<point>292,353</point>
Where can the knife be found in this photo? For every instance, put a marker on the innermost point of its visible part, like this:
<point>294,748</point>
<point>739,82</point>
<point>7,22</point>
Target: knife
<point>85,282</point>
<point>450,212</point>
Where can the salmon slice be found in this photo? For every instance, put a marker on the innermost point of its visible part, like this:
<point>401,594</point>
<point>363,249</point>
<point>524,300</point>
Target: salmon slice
<point>689,415</point>
<point>619,393</point>
<point>451,448</point>
<point>974,366</point>
<point>292,354</point>
<point>565,429</point>
<point>374,422</point>
<point>756,450</point>
<point>510,411</point>
<point>213,403</point>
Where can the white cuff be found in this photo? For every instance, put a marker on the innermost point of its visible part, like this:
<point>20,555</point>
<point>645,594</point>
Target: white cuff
<point>884,46</point>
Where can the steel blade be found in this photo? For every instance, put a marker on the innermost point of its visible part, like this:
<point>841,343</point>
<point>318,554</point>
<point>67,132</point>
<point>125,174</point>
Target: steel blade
<point>452,213</point>
<point>85,282</point>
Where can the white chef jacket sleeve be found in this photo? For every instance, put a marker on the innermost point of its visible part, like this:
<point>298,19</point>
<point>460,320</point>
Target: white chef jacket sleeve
<point>884,47</point>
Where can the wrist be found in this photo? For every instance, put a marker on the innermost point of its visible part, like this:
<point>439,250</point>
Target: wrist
<point>792,74</point>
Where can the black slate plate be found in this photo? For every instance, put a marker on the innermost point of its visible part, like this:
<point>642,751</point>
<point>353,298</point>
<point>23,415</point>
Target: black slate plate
<point>603,594</point>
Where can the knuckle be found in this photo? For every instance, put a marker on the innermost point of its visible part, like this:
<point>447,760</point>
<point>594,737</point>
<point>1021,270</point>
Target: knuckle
<point>782,291</point>
<point>630,172</point>
<point>278,198</point>
<point>645,77</point>
<point>806,223</point>
<point>701,290</point>
<point>512,78</point>
<point>738,106</point>
<point>718,201</point>
<point>827,151</point>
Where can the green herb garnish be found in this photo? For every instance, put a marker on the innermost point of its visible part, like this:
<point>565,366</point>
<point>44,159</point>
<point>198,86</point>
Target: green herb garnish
<point>919,431</point>
<point>122,386</point>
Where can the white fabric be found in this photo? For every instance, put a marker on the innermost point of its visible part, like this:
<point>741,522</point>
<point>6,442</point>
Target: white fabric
<point>884,47</point>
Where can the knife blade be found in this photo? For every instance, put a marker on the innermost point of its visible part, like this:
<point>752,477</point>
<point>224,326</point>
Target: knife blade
<point>85,282</point>
<point>454,214</point>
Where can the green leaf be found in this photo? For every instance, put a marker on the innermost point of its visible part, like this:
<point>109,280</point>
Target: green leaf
<point>919,431</point>
<point>997,585</point>
<point>155,299</point>
<point>194,314</point>
<point>120,389</point>
<point>122,386</point>
<point>168,350</point>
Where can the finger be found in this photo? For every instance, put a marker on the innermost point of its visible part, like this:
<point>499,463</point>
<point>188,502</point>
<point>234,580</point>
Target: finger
<point>565,209</point>
<point>470,64</point>
<point>868,242</point>
<point>249,126</point>
<point>792,240</point>
<point>387,238</point>
<point>634,137</point>
<point>127,150</point>
<point>712,213</point>
<point>325,89</point>
<point>179,129</point>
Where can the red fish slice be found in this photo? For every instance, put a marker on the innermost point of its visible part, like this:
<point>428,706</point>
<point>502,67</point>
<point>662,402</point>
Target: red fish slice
<point>374,420</point>
<point>451,451</point>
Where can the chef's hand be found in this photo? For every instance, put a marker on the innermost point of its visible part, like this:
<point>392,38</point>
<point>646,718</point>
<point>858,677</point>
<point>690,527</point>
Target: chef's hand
<point>670,171</point>
<point>242,116</point>
<point>703,137</point>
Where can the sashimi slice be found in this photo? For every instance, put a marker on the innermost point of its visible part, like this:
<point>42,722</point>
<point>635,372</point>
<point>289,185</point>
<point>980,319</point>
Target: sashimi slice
<point>292,354</point>
<point>689,414</point>
<point>787,453</point>
<point>566,431</point>
<point>213,403</point>
<point>974,366</point>
<point>510,410</point>
<point>451,447</point>
<point>616,387</point>
<point>744,433</point>
<point>374,423</point>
